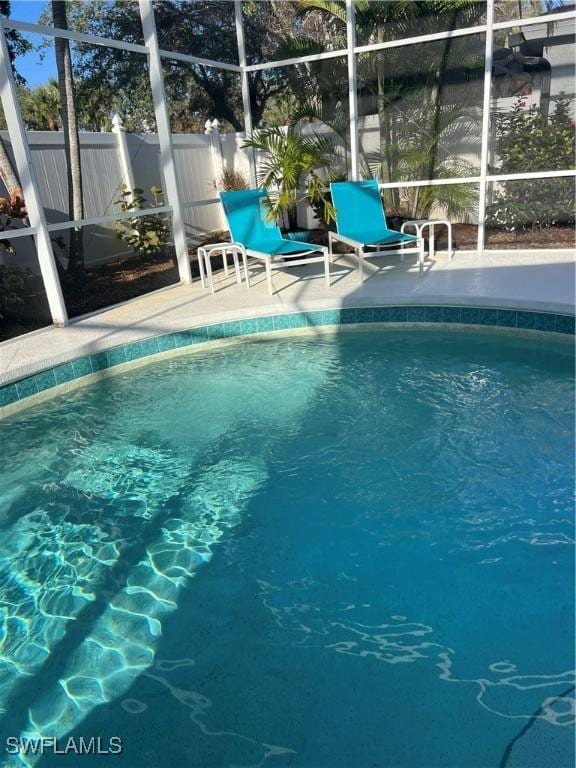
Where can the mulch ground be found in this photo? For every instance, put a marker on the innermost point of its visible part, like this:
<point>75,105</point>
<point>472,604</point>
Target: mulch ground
<point>562,237</point>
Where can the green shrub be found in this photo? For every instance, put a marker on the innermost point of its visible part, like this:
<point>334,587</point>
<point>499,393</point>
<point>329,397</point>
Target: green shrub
<point>528,141</point>
<point>147,235</point>
<point>12,285</point>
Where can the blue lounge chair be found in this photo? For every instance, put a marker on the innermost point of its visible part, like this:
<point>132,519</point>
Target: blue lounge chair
<point>246,212</point>
<point>361,224</point>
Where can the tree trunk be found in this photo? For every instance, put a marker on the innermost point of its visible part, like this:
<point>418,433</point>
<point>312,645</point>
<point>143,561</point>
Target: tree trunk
<point>437,94</point>
<point>415,203</point>
<point>385,127</point>
<point>71,139</point>
<point>7,172</point>
<point>219,96</point>
<point>381,107</point>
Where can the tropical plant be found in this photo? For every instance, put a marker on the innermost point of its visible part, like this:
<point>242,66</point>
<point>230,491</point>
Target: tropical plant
<point>41,106</point>
<point>315,96</point>
<point>12,207</point>
<point>12,276</point>
<point>459,200</point>
<point>71,138</point>
<point>291,170</point>
<point>526,139</point>
<point>422,120</point>
<point>12,283</point>
<point>147,235</point>
<point>418,119</point>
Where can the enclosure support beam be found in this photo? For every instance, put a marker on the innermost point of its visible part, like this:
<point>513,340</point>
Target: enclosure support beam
<point>352,99</point>
<point>165,139</point>
<point>213,132</point>
<point>23,158</point>
<point>245,84</point>
<point>484,153</point>
<point>123,154</point>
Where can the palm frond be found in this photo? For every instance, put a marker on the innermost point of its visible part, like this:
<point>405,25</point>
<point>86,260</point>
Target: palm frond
<point>332,8</point>
<point>298,45</point>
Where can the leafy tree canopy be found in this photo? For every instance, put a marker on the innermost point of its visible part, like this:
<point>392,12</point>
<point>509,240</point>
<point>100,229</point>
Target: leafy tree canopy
<point>108,80</point>
<point>41,106</point>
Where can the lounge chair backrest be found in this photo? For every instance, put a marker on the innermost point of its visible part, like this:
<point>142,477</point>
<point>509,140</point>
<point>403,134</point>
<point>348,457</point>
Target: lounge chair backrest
<point>246,212</point>
<point>358,206</point>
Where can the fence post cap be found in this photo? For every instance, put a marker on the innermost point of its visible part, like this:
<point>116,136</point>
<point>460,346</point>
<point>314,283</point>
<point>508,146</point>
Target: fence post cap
<point>117,122</point>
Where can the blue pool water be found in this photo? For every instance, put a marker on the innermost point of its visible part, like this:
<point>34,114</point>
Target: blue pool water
<point>347,552</point>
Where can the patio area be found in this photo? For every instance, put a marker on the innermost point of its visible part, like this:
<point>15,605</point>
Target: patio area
<point>514,280</point>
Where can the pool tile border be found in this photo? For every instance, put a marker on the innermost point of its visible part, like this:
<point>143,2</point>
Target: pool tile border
<point>547,322</point>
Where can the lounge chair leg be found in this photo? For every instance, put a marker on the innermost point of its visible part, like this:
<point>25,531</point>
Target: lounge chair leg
<point>421,254</point>
<point>237,266</point>
<point>209,275</point>
<point>246,273</point>
<point>269,276</point>
<point>361,264</point>
<point>201,266</point>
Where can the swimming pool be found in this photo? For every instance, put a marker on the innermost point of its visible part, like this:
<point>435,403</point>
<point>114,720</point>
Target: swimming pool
<point>347,551</point>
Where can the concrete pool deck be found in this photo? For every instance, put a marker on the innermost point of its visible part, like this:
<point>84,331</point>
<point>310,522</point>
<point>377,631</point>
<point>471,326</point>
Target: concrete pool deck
<point>542,281</point>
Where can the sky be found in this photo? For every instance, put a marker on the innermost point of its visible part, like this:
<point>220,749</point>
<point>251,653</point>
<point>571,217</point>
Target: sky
<point>26,10</point>
<point>30,66</point>
<point>33,67</point>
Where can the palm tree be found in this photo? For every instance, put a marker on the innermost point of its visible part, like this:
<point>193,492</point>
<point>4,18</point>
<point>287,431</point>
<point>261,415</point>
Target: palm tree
<point>373,20</point>
<point>41,107</point>
<point>290,170</point>
<point>415,115</point>
<point>71,138</point>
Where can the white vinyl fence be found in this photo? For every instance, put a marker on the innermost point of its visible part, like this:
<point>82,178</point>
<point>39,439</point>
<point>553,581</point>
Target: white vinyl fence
<point>110,160</point>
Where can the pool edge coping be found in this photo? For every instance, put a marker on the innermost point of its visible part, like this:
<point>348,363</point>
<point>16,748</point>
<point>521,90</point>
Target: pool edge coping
<point>22,391</point>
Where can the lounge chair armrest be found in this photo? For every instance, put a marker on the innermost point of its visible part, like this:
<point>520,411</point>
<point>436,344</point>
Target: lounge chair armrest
<point>213,247</point>
<point>335,236</point>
